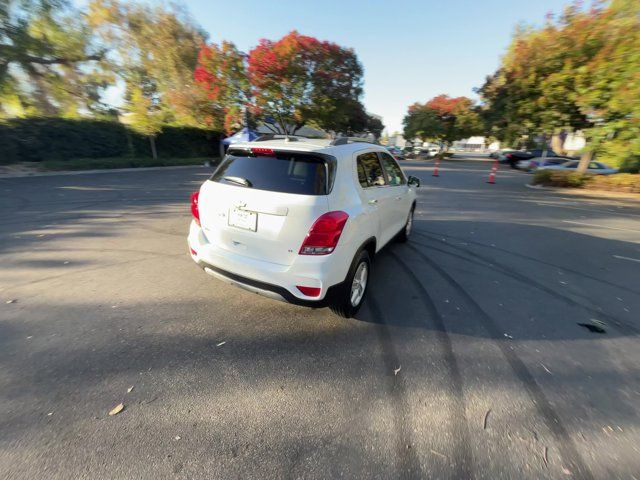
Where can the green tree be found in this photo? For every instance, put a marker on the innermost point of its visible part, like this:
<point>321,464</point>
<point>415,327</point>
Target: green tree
<point>49,61</point>
<point>579,72</point>
<point>156,45</point>
<point>144,116</point>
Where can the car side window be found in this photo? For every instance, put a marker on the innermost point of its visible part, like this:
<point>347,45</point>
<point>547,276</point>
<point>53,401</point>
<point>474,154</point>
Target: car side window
<point>594,165</point>
<point>370,172</point>
<point>394,172</point>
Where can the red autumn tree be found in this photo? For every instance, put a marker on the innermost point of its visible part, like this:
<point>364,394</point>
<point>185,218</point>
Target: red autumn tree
<point>300,80</point>
<point>222,77</point>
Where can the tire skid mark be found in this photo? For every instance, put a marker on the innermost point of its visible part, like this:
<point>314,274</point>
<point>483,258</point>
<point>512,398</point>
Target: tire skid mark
<point>436,235</point>
<point>619,325</point>
<point>407,457</point>
<point>458,420</point>
<point>569,454</point>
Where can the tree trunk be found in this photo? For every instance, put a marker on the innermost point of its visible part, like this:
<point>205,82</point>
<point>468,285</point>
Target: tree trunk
<point>152,142</point>
<point>556,144</point>
<point>585,159</point>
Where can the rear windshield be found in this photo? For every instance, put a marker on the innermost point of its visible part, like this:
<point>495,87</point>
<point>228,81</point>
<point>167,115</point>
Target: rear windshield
<point>286,172</point>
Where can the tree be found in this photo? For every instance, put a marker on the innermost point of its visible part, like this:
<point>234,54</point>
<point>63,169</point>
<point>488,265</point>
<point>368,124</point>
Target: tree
<point>577,73</point>
<point>421,122</point>
<point>49,61</point>
<point>299,79</point>
<point>374,126</point>
<point>222,76</point>
<point>442,118</point>
<point>144,115</point>
<point>158,46</point>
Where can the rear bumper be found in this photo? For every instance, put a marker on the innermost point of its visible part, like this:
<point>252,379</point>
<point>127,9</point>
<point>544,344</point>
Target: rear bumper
<point>269,279</point>
<point>269,290</point>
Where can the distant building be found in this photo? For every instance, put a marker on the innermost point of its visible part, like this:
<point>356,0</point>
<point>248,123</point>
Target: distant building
<point>471,144</point>
<point>397,140</point>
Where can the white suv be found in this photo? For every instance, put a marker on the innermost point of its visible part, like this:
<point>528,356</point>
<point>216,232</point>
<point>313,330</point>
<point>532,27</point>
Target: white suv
<point>301,219</point>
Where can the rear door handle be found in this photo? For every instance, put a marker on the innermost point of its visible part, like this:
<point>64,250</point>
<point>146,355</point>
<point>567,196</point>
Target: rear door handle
<point>398,198</point>
<point>373,202</point>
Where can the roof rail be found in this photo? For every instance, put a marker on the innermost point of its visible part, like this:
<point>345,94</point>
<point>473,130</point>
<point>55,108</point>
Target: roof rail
<point>346,140</point>
<point>273,136</point>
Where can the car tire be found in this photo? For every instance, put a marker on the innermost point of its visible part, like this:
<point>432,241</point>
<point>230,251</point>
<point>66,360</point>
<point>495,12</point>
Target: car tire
<point>403,235</point>
<point>343,304</point>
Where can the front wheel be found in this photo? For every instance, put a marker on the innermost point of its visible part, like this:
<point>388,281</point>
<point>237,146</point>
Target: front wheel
<point>351,295</point>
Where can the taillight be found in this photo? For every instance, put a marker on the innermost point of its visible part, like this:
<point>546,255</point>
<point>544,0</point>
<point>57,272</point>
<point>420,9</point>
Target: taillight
<point>509,156</point>
<point>194,207</point>
<point>263,152</point>
<point>324,234</point>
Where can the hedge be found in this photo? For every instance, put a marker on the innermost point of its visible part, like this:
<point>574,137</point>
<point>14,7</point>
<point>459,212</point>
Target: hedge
<point>39,139</point>
<point>620,182</point>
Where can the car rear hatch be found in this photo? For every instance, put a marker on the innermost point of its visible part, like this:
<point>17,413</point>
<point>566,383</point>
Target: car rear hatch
<point>260,203</point>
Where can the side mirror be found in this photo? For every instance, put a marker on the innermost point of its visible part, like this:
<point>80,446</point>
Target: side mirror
<point>413,181</point>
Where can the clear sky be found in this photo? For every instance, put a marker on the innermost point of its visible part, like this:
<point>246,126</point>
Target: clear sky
<point>411,50</point>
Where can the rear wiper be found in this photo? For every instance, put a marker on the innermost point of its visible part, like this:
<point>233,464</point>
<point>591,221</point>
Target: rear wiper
<point>238,181</point>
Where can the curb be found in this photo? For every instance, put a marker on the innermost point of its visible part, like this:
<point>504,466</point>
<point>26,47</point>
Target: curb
<point>101,170</point>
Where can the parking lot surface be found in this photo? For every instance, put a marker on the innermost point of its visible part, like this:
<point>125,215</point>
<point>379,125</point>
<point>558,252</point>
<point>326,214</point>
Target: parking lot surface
<point>467,360</point>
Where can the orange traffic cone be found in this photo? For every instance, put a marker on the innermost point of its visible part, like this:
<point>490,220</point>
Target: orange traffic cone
<point>492,175</point>
<point>436,170</point>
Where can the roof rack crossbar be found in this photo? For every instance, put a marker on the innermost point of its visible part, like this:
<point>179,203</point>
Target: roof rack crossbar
<point>346,140</point>
<point>272,136</point>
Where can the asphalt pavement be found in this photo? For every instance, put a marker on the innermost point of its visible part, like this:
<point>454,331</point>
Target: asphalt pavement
<point>467,360</point>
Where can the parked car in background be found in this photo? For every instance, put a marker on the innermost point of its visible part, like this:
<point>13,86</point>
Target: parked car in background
<point>512,158</point>
<point>301,221</point>
<point>596,168</point>
<point>537,162</point>
<point>433,150</point>
<point>396,152</point>
<point>500,154</point>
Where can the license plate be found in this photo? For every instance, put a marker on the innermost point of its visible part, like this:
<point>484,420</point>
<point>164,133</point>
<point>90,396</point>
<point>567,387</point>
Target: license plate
<point>243,219</point>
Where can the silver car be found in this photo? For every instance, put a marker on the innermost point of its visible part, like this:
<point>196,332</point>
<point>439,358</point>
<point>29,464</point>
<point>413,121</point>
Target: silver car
<point>596,168</point>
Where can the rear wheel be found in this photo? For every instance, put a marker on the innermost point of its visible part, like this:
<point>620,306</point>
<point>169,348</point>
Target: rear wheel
<point>403,236</point>
<point>351,295</point>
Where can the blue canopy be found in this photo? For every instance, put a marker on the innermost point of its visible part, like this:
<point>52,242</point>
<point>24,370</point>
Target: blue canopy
<point>244,135</point>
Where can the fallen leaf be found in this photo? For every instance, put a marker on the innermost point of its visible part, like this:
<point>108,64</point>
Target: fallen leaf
<point>220,344</point>
<point>130,389</point>
<point>397,370</point>
<point>438,453</point>
<point>545,456</point>
<point>566,471</point>
<point>13,300</point>
<point>116,410</point>
<point>177,437</point>
<point>486,417</point>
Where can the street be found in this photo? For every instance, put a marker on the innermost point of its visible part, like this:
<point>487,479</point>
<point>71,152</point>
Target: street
<point>467,359</point>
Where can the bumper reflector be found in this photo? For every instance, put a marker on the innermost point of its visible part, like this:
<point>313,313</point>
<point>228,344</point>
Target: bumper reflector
<point>309,291</point>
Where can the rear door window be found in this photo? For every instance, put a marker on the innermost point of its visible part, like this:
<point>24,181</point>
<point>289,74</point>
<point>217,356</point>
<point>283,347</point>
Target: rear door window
<point>394,172</point>
<point>285,172</point>
<point>370,173</point>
